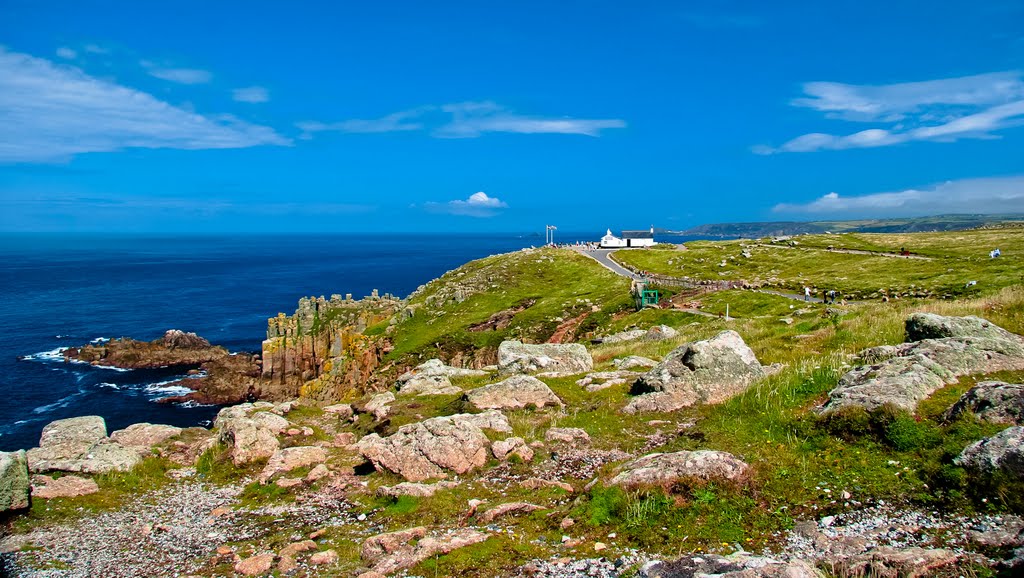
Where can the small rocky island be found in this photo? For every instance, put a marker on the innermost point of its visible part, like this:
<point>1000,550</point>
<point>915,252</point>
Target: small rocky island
<point>484,427</point>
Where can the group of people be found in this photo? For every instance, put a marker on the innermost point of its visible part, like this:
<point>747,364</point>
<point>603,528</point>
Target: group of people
<point>827,296</point>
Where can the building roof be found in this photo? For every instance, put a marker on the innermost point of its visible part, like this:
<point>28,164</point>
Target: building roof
<point>637,234</point>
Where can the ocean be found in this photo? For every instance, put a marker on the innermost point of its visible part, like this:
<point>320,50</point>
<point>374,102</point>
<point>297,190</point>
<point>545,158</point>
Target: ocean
<point>66,290</point>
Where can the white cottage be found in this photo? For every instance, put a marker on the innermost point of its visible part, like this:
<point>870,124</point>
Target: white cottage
<point>628,239</point>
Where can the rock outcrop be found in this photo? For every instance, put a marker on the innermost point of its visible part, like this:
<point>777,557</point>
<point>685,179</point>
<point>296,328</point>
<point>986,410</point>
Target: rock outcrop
<point>288,459</point>
<point>14,481</point>
<point>666,469</point>
<point>941,350</point>
<point>516,357</point>
<point>69,486</point>
<point>415,490</point>
<point>991,401</point>
<point>143,437</point>
<point>434,447</point>
<point>1003,451</point>
<point>321,352</point>
<point>389,553</point>
<point>705,372</point>
<point>505,449</point>
<point>250,430</point>
<point>514,392</point>
<point>634,362</point>
<point>433,377</point>
<point>622,336</point>
<point>175,348</point>
<point>80,444</point>
<point>604,379</point>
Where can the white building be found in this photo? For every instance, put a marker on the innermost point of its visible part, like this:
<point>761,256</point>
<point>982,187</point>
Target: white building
<point>628,239</point>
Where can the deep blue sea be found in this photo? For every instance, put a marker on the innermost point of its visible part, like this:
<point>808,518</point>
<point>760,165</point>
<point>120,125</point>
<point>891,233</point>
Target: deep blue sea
<point>65,290</point>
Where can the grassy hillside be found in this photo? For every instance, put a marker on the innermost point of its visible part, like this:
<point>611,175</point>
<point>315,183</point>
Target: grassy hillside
<point>804,467</point>
<point>947,263</point>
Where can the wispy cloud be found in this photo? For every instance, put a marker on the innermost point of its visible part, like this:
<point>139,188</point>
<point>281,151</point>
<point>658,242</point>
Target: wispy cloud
<point>178,75</point>
<point>942,110</point>
<point>984,195</point>
<point>67,53</point>
<point>466,120</point>
<point>51,112</point>
<point>251,94</point>
<point>472,119</point>
<point>477,205</point>
<point>95,49</point>
<point>395,122</point>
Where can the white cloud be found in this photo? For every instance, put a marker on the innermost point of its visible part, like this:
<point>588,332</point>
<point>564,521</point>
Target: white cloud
<point>472,119</point>
<point>95,49</point>
<point>251,94</point>
<point>974,196</point>
<point>394,122</point>
<point>178,75</point>
<point>478,204</point>
<point>465,120</point>
<point>66,53</point>
<point>942,110</point>
<point>52,112</point>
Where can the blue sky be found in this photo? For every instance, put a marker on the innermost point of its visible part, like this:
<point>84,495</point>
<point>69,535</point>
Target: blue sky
<point>504,116</point>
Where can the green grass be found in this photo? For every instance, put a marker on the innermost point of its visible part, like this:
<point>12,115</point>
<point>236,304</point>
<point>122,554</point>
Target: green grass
<point>955,259</point>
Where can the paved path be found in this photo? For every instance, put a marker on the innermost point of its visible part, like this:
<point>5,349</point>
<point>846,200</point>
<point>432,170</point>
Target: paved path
<point>603,256</point>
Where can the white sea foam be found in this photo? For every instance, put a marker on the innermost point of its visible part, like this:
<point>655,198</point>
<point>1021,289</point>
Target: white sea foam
<point>108,385</point>
<point>192,403</point>
<point>165,388</point>
<point>51,355</point>
<point>62,402</point>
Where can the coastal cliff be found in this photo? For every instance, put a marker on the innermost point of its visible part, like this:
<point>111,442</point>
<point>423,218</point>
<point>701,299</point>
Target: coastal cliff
<point>323,350</point>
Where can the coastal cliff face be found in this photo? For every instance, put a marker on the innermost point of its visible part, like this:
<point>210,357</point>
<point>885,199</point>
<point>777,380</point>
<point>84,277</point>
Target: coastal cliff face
<point>323,351</point>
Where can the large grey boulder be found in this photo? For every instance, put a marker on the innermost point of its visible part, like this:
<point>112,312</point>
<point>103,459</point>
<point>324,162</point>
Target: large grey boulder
<point>14,481</point>
<point>622,336</point>
<point>1003,451</point>
<point>433,447</point>
<point>634,362</point>
<point>903,375</point>
<point>659,332</point>
<point>80,444</point>
<point>515,392</point>
<point>433,377</point>
<point>991,401</point>
<point>516,357</point>
<point>705,372</point>
<point>662,469</point>
<point>143,437</point>
<point>250,430</point>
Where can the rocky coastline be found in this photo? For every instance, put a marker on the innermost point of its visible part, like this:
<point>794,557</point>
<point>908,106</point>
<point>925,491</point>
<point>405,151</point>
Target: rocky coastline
<point>348,436</point>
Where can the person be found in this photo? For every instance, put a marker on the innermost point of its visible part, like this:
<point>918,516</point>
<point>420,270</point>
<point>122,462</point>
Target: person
<point>807,293</point>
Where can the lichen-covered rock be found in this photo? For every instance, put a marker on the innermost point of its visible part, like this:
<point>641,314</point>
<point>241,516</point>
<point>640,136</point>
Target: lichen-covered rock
<point>941,350</point>
<point>14,482</point>
<point>415,490</point>
<point>512,508</point>
<point>622,336</point>
<point>437,367</point>
<point>604,379</point>
<point>661,469</point>
<point>921,326</point>
<point>515,446</point>
<point>344,411</point>
<point>255,565</point>
<point>706,372</point>
<point>288,459</point>
<point>250,432</point>
<point>143,437</point>
<point>392,552</point>
<point>433,447</point>
<point>634,362</point>
<point>569,435</point>
<point>514,392</point>
<point>379,404</point>
<point>992,401</point>
<point>888,562</point>
<point>1003,451</point>
<point>516,357</point>
<point>659,332</point>
<point>63,487</point>
<point>429,385</point>
<point>80,444</point>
